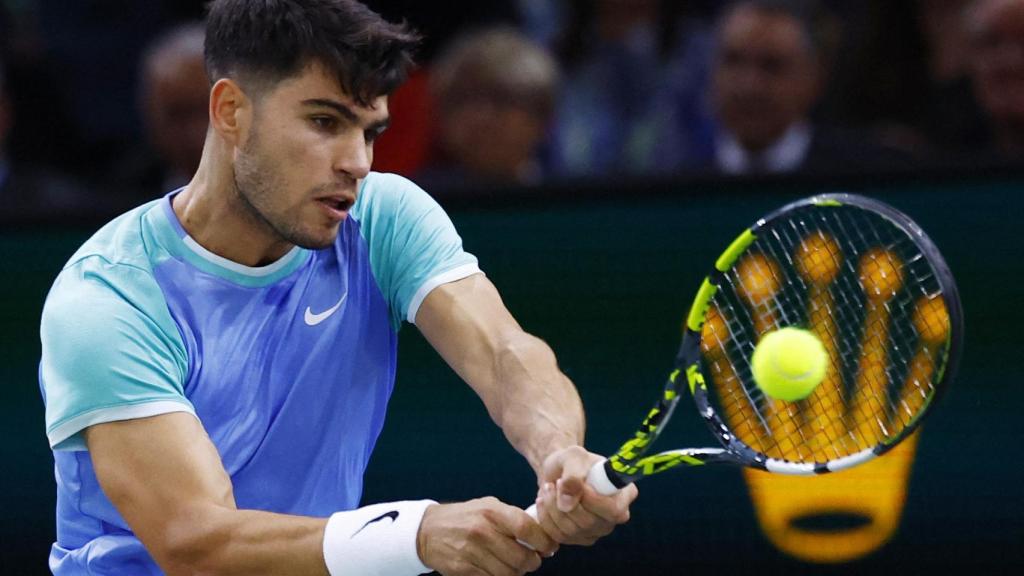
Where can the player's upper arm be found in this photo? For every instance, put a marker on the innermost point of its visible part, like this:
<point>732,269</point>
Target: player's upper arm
<point>110,351</point>
<point>469,325</point>
<point>166,479</point>
<point>414,247</point>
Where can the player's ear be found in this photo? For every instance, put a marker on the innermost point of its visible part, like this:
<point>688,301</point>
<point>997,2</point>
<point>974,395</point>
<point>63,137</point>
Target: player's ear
<point>230,110</point>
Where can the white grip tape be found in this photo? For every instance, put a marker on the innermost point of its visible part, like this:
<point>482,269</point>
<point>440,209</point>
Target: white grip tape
<point>598,480</point>
<point>377,540</point>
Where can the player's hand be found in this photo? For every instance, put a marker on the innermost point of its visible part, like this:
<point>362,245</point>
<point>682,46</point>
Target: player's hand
<point>480,537</point>
<point>571,511</point>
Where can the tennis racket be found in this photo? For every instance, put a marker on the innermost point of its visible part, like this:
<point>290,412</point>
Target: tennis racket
<point>869,283</point>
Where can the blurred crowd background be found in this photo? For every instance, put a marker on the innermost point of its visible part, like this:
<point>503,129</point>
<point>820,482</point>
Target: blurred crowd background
<point>103,102</point>
<point>103,106</point>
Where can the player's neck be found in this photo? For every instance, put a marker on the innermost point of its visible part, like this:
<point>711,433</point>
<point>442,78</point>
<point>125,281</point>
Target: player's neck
<point>208,211</point>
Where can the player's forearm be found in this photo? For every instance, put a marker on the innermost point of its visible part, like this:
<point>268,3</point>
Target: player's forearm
<point>514,373</point>
<point>225,541</point>
<point>539,410</point>
<point>376,539</point>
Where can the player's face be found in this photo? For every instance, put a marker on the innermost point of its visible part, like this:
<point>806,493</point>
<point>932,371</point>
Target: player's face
<point>766,77</point>
<point>309,145</point>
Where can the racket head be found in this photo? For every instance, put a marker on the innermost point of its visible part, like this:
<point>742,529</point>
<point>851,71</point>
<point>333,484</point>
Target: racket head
<point>872,286</point>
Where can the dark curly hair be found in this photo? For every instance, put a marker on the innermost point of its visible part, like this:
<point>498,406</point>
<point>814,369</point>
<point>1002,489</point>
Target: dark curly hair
<point>261,42</point>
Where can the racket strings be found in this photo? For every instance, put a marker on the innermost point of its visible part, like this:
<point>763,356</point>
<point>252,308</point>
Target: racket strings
<point>864,288</point>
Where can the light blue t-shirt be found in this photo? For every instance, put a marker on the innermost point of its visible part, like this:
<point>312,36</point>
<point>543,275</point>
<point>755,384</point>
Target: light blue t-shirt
<point>288,367</point>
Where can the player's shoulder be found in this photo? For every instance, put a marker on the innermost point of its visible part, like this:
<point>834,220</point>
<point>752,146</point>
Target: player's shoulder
<point>121,241</point>
<point>389,184</point>
<point>382,192</point>
<point>115,261</point>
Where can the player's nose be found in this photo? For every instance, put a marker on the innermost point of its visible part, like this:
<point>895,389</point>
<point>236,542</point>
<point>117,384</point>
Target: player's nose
<point>353,157</point>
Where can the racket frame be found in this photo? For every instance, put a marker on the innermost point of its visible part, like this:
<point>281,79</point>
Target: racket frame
<point>630,462</point>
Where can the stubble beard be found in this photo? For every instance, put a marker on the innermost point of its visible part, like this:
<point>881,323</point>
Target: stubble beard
<point>256,182</point>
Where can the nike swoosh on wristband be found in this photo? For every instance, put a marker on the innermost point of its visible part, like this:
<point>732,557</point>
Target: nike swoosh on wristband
<point>393,515</point>
<point>314,319</point>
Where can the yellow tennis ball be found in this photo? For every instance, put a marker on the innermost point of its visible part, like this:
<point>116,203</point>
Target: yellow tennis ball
<point>789,363</point>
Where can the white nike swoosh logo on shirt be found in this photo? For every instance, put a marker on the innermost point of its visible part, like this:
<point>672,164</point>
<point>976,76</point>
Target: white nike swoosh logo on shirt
<point>314,319</point>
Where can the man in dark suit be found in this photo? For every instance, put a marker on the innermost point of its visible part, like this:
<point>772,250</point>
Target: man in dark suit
<point>770,69</point>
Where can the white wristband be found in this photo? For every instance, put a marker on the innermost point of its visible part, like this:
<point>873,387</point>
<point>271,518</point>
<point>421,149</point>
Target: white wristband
<point>375,540</point>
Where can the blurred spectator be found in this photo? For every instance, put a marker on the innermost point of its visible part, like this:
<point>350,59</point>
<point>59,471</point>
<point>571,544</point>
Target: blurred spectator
<point>945,36</point>
<point>30,192</point>
<point>440,26</point>
<point>542,20</point>
<point>686,126</point>
<point>606,121</point>
<point>905,77</point>
<point>996,29</point>
<point>770,69</point>
<point>93,45</point>
<point>494,93</point>
<point>953,120</point>
<point>173,101</point>
<point>405,148</point>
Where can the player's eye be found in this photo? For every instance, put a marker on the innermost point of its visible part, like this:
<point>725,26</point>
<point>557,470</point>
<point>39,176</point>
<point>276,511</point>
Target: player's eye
<point>325,123</point>
<point>372,135</point>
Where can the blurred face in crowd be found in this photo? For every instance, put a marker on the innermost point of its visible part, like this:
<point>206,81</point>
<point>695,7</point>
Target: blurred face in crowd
<point>177,109</point>
<point>307,147</point>
<point>617,18</point>
<point>491,138</point>
<point>494,90</point>
<point>997,39</point>
<point>766,75</point>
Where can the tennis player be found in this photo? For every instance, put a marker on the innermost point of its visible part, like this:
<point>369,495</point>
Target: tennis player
<point>217,363</point>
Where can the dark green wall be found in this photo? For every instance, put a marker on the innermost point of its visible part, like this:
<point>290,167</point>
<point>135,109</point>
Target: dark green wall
<point>606,283</point>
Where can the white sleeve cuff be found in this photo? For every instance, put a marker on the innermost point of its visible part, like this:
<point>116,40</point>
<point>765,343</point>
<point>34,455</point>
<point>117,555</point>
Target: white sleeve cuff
<point>376,540</point>
<point>453,275</point>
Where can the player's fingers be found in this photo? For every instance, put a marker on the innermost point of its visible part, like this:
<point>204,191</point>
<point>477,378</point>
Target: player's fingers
<point>568,531</point>
<point>568,469</point>
<point>497,555</point>
<point>569,462</point>
<point>529,531</point>
<point>626,497</point>
<point>512,526</point>
<point>545,522</point>
<point>610,511</point>
<point>465,568</point>
<point>569,490</point>
<point>545,508</point>
<point>592,526</point>
<point>614,508</point>
<point>489,563</point>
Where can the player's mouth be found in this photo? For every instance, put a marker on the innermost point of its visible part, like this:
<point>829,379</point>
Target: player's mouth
<point>336,207</point>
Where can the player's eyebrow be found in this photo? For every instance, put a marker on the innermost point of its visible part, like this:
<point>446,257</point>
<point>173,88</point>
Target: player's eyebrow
<point>347,113</point>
